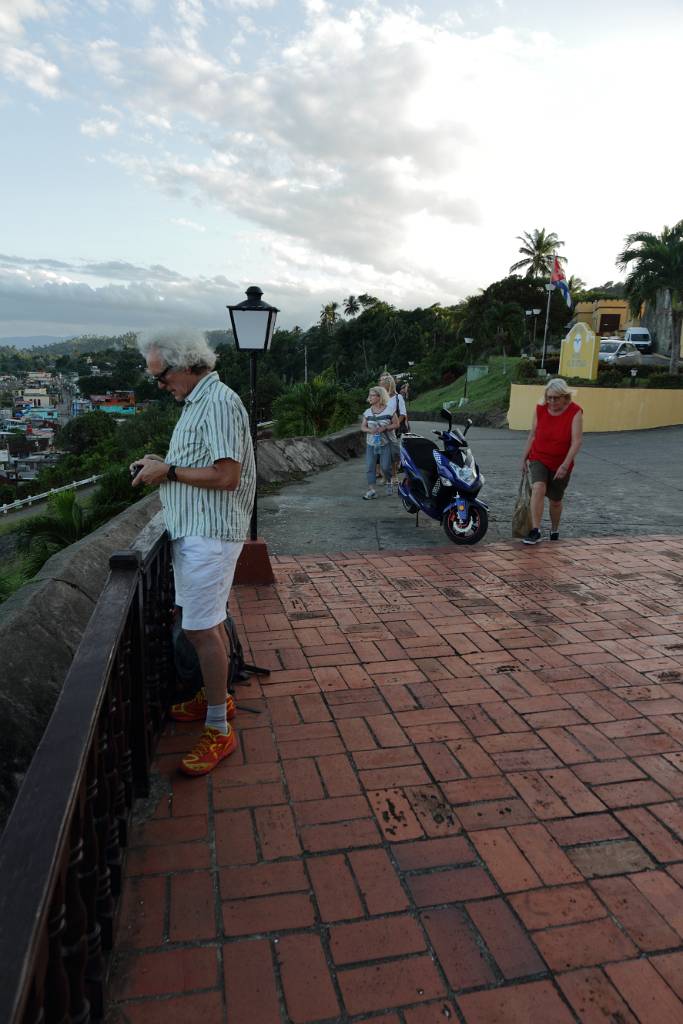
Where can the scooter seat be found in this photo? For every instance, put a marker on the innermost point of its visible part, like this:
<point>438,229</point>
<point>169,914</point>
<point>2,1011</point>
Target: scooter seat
<point>420,451</point>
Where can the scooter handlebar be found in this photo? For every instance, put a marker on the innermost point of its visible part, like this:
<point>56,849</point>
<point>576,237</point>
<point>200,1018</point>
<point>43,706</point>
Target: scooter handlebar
<point>437,432</point>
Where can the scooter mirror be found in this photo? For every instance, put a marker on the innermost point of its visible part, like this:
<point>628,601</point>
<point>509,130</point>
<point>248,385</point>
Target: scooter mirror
<point>445,415</point>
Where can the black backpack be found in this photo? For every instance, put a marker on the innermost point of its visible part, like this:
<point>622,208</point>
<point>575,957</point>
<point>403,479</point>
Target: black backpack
<point>188,672</point>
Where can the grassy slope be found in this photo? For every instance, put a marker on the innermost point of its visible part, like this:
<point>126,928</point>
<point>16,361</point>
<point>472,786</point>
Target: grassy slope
<point>490,392</point>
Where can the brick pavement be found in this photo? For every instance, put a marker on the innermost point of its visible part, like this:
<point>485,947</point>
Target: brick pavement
<point>461,801</point>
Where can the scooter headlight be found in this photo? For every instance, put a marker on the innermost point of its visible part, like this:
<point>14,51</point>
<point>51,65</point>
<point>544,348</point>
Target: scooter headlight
<point>465,473</point>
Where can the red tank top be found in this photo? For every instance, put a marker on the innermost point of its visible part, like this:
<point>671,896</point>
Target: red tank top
<point>553,437</point>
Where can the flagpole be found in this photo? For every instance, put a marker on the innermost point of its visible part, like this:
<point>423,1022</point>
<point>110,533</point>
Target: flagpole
<point>547,311</point>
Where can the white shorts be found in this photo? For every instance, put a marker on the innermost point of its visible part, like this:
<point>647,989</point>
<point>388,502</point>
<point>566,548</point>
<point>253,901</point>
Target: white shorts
<point>203,568</point>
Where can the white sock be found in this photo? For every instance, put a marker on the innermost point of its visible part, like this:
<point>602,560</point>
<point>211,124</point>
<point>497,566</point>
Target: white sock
<point>216,718</point>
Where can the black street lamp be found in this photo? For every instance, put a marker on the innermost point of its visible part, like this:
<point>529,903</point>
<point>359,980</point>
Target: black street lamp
<point>253,322</point>
<point>534,313</point>
<point>468,342</point>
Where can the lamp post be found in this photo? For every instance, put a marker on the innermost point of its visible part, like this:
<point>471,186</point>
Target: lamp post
<point>253,322</point>
<point>534,313</point>
<point>468,342</point>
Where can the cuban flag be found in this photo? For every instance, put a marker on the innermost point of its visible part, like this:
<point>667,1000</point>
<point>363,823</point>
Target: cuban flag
<point>558,280</point>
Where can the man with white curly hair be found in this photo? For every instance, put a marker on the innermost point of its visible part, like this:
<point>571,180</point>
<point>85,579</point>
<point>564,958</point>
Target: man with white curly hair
<point>207,483</point>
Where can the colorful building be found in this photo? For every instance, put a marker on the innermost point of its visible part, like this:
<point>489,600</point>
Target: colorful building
<point>607,318</point>
<point>117,403</point>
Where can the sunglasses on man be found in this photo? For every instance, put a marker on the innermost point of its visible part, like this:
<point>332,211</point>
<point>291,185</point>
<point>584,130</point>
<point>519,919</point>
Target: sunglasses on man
<point>160,378</point>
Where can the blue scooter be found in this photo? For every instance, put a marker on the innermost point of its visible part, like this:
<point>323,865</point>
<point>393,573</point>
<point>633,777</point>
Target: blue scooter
<point>444,484</point>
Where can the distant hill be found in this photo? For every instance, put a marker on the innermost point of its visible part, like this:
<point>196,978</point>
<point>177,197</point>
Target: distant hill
<point>69,346</point>
<point>37,341</point>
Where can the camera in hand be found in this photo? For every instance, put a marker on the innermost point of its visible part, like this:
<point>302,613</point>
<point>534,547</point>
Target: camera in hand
<point>135,470</point>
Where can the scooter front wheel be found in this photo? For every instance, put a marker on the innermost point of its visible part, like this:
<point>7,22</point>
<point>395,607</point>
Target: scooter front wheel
<point>470,532</point>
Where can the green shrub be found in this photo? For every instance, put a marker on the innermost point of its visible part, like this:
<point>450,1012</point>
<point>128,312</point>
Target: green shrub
<point>11,579</point>
<point>613,378</point>
<point>113,495</point>
<point>661,379</point>
<point>525,372</point>
<point>313,409</point>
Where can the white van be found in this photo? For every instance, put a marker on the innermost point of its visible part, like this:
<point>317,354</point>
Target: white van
<point>640,337</point>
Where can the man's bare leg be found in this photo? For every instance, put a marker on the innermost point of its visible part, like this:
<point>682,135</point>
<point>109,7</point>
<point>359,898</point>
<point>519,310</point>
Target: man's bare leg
<point>213,661</point>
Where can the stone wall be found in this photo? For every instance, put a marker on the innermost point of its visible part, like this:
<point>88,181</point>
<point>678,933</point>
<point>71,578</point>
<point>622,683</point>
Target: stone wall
<point>40,628</point>
<point>280,460</point>
<point>41,625</point>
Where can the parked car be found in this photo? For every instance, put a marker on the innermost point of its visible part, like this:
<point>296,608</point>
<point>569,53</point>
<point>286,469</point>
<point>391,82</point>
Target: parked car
<point>640,337</point>
<point>618,353</point>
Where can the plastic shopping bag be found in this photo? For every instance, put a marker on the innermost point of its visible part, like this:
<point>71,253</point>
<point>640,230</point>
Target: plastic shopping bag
<point>521,516</point>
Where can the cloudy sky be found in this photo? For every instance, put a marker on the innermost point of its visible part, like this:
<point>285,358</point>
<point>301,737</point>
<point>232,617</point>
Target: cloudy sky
<point>158,156</point>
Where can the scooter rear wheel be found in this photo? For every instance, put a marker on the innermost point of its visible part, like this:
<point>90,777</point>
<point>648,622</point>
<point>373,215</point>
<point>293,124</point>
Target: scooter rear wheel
<point>470,532</point>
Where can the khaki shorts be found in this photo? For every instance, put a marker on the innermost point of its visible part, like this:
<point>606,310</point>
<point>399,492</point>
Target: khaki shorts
<point>555,489</point>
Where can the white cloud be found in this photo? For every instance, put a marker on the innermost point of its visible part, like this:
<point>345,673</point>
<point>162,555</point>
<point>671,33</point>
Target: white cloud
<point>182,222</point>
<point>32,70</point>
<point>253,5</point>
<point>13,14</point>
<point>99,128</point>
<point>368,147</point>
<point>105,57</point>
<point>191,19</point>
<point>156,121</point>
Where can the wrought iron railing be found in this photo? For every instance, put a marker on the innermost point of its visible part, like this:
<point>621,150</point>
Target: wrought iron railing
<point>61,853</point>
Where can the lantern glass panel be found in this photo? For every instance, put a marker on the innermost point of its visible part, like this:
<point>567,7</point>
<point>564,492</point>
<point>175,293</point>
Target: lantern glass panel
<point>252,328</point>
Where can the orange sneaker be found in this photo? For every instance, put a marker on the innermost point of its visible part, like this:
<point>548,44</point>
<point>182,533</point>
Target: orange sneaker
<point>210,750</point>
<point>194,710</point>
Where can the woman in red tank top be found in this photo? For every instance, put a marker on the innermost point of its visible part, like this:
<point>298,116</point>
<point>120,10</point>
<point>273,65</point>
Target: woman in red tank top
<point>555,438</point>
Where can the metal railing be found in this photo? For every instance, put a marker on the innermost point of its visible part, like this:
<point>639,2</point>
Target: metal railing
<point>12,506</point>
<point>61,853</point>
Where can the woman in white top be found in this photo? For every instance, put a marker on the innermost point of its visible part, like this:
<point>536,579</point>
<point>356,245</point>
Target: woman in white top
<point>379,425</point>
<point>398,406</point>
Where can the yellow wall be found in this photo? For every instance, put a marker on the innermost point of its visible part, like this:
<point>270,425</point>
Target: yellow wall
<point>605,408</point>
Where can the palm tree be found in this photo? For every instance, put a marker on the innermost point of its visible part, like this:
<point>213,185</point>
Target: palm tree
<point>329,315</point>
<point>351,306</point>
<point>657,268</point>
<point>306,409</point>
<point>367,300</point>
<point>576,286</point>
<point>44,535</point>
<point>537,248</point>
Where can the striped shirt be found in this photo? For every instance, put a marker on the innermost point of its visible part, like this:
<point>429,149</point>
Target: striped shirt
<point>213,425</point>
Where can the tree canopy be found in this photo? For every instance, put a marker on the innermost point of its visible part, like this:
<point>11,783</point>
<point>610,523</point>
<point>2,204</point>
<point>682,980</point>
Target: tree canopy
<point>654,264</point>
<point>537,248</point>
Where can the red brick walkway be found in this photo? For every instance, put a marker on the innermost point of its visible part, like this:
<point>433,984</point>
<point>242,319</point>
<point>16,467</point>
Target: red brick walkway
<point>462,801</point>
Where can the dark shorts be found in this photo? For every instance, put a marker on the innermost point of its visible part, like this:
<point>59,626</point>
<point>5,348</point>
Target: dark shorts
<point>555,489</point>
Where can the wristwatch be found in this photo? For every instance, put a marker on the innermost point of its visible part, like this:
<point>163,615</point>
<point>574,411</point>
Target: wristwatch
<point>171,475</point>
